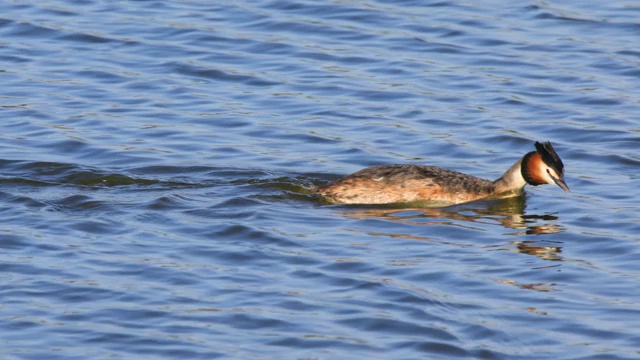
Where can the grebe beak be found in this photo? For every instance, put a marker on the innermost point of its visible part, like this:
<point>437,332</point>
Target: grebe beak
<point>561,183</point>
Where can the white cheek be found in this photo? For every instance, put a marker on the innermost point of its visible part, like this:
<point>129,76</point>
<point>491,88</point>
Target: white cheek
<point>549,175</point>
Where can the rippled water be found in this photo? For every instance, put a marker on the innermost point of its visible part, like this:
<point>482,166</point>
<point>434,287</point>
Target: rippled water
<point>155,161</point>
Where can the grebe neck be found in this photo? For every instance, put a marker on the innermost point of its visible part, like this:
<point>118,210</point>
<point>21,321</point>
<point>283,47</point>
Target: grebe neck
<point>512,180</point>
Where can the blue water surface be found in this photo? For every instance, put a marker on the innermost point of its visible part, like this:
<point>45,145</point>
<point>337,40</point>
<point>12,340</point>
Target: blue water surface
<point>156,161</point>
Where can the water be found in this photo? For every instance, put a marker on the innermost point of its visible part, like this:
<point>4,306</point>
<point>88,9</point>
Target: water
<point>155,158</point>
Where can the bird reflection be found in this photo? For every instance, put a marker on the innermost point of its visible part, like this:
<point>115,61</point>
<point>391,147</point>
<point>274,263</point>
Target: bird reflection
<point>510,213</point>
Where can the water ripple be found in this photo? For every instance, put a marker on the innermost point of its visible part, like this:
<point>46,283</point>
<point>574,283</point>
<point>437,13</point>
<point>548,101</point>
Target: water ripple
<point>157,163</point>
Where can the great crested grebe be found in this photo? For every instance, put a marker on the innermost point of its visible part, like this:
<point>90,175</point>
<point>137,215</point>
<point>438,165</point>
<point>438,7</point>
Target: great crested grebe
<point>386,184</point>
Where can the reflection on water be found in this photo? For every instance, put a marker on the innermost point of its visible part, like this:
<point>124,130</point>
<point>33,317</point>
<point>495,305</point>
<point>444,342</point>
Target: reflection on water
<point>510,213</point>
<point>542,287</point>
<point>529,247</point>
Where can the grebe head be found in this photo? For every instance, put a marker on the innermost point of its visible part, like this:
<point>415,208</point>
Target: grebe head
<point>543,167</point>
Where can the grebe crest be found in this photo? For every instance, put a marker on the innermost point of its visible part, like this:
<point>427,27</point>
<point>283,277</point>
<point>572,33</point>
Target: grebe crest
<point>405,183</point>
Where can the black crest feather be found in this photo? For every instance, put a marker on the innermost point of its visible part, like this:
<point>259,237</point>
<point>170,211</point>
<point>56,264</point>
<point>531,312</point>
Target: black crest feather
<point>550,157</point>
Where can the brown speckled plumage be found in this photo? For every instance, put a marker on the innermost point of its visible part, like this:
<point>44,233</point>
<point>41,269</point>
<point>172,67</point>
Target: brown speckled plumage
<point>420,183</point>
<point>406,183</point>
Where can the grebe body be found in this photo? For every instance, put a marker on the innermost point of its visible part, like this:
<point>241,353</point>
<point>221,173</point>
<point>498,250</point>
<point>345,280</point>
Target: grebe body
<point>386,184</point>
